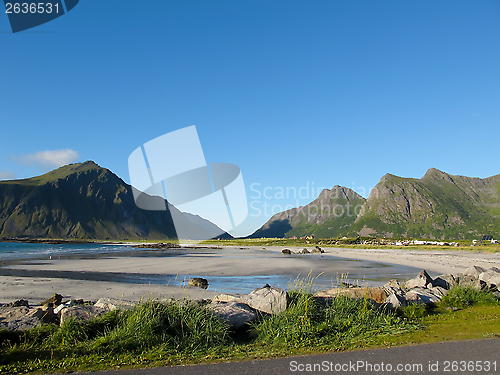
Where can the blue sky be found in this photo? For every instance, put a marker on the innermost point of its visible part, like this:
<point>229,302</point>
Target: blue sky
<point>296,93</point>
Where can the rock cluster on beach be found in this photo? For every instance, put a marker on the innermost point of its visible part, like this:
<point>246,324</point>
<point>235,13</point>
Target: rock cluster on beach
<point>238,310</point>
<point>314,250</point>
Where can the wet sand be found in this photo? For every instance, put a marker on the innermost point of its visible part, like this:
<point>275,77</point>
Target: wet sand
<point>163,274</point>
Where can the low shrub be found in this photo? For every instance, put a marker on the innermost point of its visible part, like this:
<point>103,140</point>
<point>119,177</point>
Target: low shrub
<point>462,297</point>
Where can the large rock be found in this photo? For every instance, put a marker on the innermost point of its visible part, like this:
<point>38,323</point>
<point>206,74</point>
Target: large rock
<point>21,318</point>
<point>317,250</point>
<point>236,314</point>
<point>424,295</point>
<point>111,304</point>
<point>470,281</point>
<point>378,295</point>
<point>198,282</point>
<point>491,278</point>
<point>226,298</point>
<point>392,286</point>
<point>420,281</point>
<point>82,313</point>
<point>445,281</point>
<point>474,271</point>
<point>286,251</point>
<point>395,301</point>
<point>304,251</point>
<point>268,299</point>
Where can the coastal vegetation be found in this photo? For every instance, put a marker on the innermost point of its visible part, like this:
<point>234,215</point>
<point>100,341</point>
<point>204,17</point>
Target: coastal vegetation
<point>184,332</point>
<point>354,243</point>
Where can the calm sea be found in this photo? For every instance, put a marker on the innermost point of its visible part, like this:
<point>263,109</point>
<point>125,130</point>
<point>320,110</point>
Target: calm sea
<point>18,250</point>
<point>364,272</point>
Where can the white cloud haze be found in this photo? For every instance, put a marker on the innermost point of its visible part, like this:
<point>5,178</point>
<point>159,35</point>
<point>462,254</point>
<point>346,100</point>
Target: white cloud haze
<point>7,175</point>
<point>48,158</point>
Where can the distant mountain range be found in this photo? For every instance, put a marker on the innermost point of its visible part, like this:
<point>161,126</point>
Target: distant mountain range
<point>438,205</point>
<point>84,201</point>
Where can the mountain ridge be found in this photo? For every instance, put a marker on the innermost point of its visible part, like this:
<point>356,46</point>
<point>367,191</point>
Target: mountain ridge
<point>438,205</point>
<point>83,201</point>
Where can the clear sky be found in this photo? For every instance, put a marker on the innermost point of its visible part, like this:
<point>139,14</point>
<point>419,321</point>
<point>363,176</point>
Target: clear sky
<point>296,93</point>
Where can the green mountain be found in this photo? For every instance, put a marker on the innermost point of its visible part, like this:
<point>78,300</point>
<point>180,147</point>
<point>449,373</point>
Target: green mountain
<point>438,205</point>
<point>329,215</point>
<point>82,201</point>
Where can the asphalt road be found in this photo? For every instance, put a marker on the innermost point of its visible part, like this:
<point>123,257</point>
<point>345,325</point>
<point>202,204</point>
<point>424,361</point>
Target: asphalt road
<point>463,357</point>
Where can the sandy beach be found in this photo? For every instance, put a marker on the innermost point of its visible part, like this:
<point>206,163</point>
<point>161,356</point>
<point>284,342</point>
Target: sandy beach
<point>91,279</point>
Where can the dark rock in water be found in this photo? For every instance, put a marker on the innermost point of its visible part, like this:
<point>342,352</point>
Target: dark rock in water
<point>315,251</point>
<point>159,245</point>
<point>286,251</point>
<point>53,301</point>
<point>198,282</point>
<point>304,251</point>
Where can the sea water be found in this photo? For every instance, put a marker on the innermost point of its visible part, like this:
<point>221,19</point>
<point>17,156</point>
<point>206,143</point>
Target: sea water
<point>361,272</point>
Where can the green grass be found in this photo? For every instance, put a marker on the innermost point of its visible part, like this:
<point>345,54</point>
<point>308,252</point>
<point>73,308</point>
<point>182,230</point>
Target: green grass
<point>465,245</point>
<point>161,334</point>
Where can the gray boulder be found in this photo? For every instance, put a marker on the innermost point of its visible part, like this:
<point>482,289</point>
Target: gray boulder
<point>395,301</point>
<point>420,281</point>
<point>392,286</point>
<point>304,251</point>
<point>469,281</point>
<point>81,313</point>
<point>438,291</point>
<point>268,299</point>
<point>236,314</point>
<point>21,318</point>
<point>226,298</point>
<point>198,282</point>
<point>491,278</point>
<point>286,251</point>
<point>317,250</point>
<point>445,281</point>
<point>422,295</point>
<point>111,304</point>
<point>474,271</point>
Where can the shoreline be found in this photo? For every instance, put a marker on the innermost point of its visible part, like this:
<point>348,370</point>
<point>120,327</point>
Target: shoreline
<point>232,262</point>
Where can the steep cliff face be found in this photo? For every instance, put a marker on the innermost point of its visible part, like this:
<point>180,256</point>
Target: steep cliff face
<point>438,205</point>
<point>329,215</point>
<point>81,201</point>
